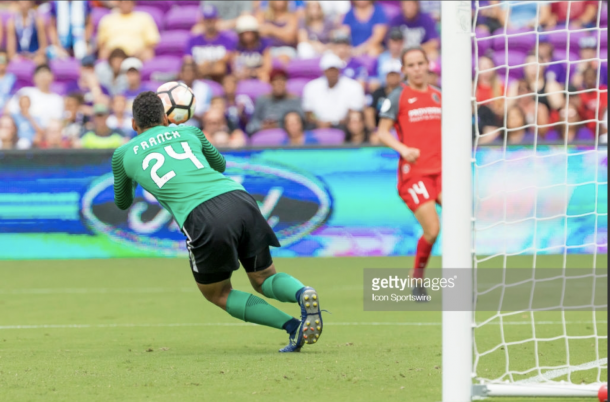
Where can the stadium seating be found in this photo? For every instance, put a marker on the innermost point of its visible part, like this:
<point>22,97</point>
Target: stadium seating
<point>65,70</point>
<point>59,88</point>
<point>156,14</point>
<point>252,88</point>
<point>183,17</point>
<point>172,43</point>
<point>523,40</point>
<point>308,68</point>
<point>270,137</point>
<point>329,136</point>
<point>216,88</point>
<point>484,43</point>
<point>23,70</point>
<point>162,5</point>
<point>97,14</point>
<point>370,63</point>
<point>295,86</point>
<point>161,68</point>
<point>515,58</point>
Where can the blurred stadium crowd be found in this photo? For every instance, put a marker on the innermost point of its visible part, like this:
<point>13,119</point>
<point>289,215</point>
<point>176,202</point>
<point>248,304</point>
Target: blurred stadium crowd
<point>288,72</point>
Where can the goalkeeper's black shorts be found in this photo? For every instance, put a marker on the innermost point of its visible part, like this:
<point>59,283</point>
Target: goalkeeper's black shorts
<point>224,231</point>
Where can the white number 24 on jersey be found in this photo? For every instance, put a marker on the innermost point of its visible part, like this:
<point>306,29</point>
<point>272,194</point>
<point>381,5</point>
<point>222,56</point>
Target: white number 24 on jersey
<point>160,160</point>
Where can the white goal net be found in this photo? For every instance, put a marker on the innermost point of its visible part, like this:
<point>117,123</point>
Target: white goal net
<point>540,193</point>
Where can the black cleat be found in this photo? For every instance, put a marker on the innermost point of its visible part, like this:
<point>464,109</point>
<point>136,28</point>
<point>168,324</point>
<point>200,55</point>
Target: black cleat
<point>420,294</point>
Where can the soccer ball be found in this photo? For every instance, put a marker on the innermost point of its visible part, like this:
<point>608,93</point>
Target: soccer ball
<point>178,101</point>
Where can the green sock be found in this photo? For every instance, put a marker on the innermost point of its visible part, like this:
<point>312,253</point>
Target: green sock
<point>282,287</point>
<point>249,308</point>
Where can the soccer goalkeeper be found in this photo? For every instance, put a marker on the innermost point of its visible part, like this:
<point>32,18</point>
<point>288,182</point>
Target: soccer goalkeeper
<point>221,221</point>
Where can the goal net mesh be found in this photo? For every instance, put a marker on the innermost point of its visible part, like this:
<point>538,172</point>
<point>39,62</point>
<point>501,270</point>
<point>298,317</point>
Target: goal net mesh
<point>540,184</point>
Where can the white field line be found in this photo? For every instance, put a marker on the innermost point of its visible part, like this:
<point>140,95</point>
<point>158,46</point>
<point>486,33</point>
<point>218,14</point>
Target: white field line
<point>49,291</point>
<point>42,291</point>
<point>549,375</point>
<point>242,324</point>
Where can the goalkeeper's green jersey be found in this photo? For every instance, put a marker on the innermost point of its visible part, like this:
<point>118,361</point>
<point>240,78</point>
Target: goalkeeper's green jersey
<point>177,165</point>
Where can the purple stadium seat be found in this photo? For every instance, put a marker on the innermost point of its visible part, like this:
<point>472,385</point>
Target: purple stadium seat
<point>575,38</point>
<point>183,17</point>
<point>295,86</point>
<point>603,22</point>
<point>152,85</point>
<point>97,14</point>
<point>162,5</point>
<point>524,40</point>
<point>216,88</point>
<point>161,68</point>
<point>559,40</point>
<point>514,58</point>
<point>253,88</point>
<point>603,53</point>
<point>561,54</point>
<point>172,43</point>
<point>156,14</point>
<point>369,63</point>
<point>187,3</point>
<point>59,88</point>
<point>483,41</point>
<point>309,68</point>
<point>274,136</point>
<point>65,70</point>
<point>23,70</point>
<point>329,136</point>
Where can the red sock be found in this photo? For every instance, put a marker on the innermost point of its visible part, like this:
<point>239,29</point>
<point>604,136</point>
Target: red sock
<point>421,258</point>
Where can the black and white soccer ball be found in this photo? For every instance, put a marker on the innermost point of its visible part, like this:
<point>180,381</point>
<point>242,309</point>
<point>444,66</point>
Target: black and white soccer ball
<point>178,100</point>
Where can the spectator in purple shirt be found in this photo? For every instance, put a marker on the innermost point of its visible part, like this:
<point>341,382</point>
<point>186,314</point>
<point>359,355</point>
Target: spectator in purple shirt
<point>253,57</point>
<point>367,25</point>
<point>353,69</point>
<point>545,51</point>
<point>419,29</point>
<point>211,50</point>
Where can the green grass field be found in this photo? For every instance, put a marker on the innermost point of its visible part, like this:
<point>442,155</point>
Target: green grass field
<point>138,330</point>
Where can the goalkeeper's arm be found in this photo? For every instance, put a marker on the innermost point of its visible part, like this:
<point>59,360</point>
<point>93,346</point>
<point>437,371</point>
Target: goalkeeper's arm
<point>124,187</point>
<point>215,159</point>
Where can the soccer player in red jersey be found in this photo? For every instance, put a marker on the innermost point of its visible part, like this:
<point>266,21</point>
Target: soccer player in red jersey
<point>414,110</point>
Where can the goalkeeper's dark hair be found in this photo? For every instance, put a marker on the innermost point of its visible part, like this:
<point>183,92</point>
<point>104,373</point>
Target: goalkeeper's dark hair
<point>413,49</point>
<point>148,110</point>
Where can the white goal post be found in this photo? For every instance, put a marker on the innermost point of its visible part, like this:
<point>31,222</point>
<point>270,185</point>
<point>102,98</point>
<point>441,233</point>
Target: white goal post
<point>463,378</point>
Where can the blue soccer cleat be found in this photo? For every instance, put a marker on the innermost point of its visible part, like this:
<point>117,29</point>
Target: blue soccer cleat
<point>311,322</point>
<point>295,341</point>
<point>311,315</point>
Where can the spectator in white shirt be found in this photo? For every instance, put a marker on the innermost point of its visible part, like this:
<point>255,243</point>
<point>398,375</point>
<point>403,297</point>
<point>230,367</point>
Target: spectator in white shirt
<point>327,100</point>
<point>45,105</point>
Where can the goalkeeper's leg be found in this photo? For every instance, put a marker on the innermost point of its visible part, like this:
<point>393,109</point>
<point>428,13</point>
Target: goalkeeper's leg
<point>246,307</point>
<point>285,288</point>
